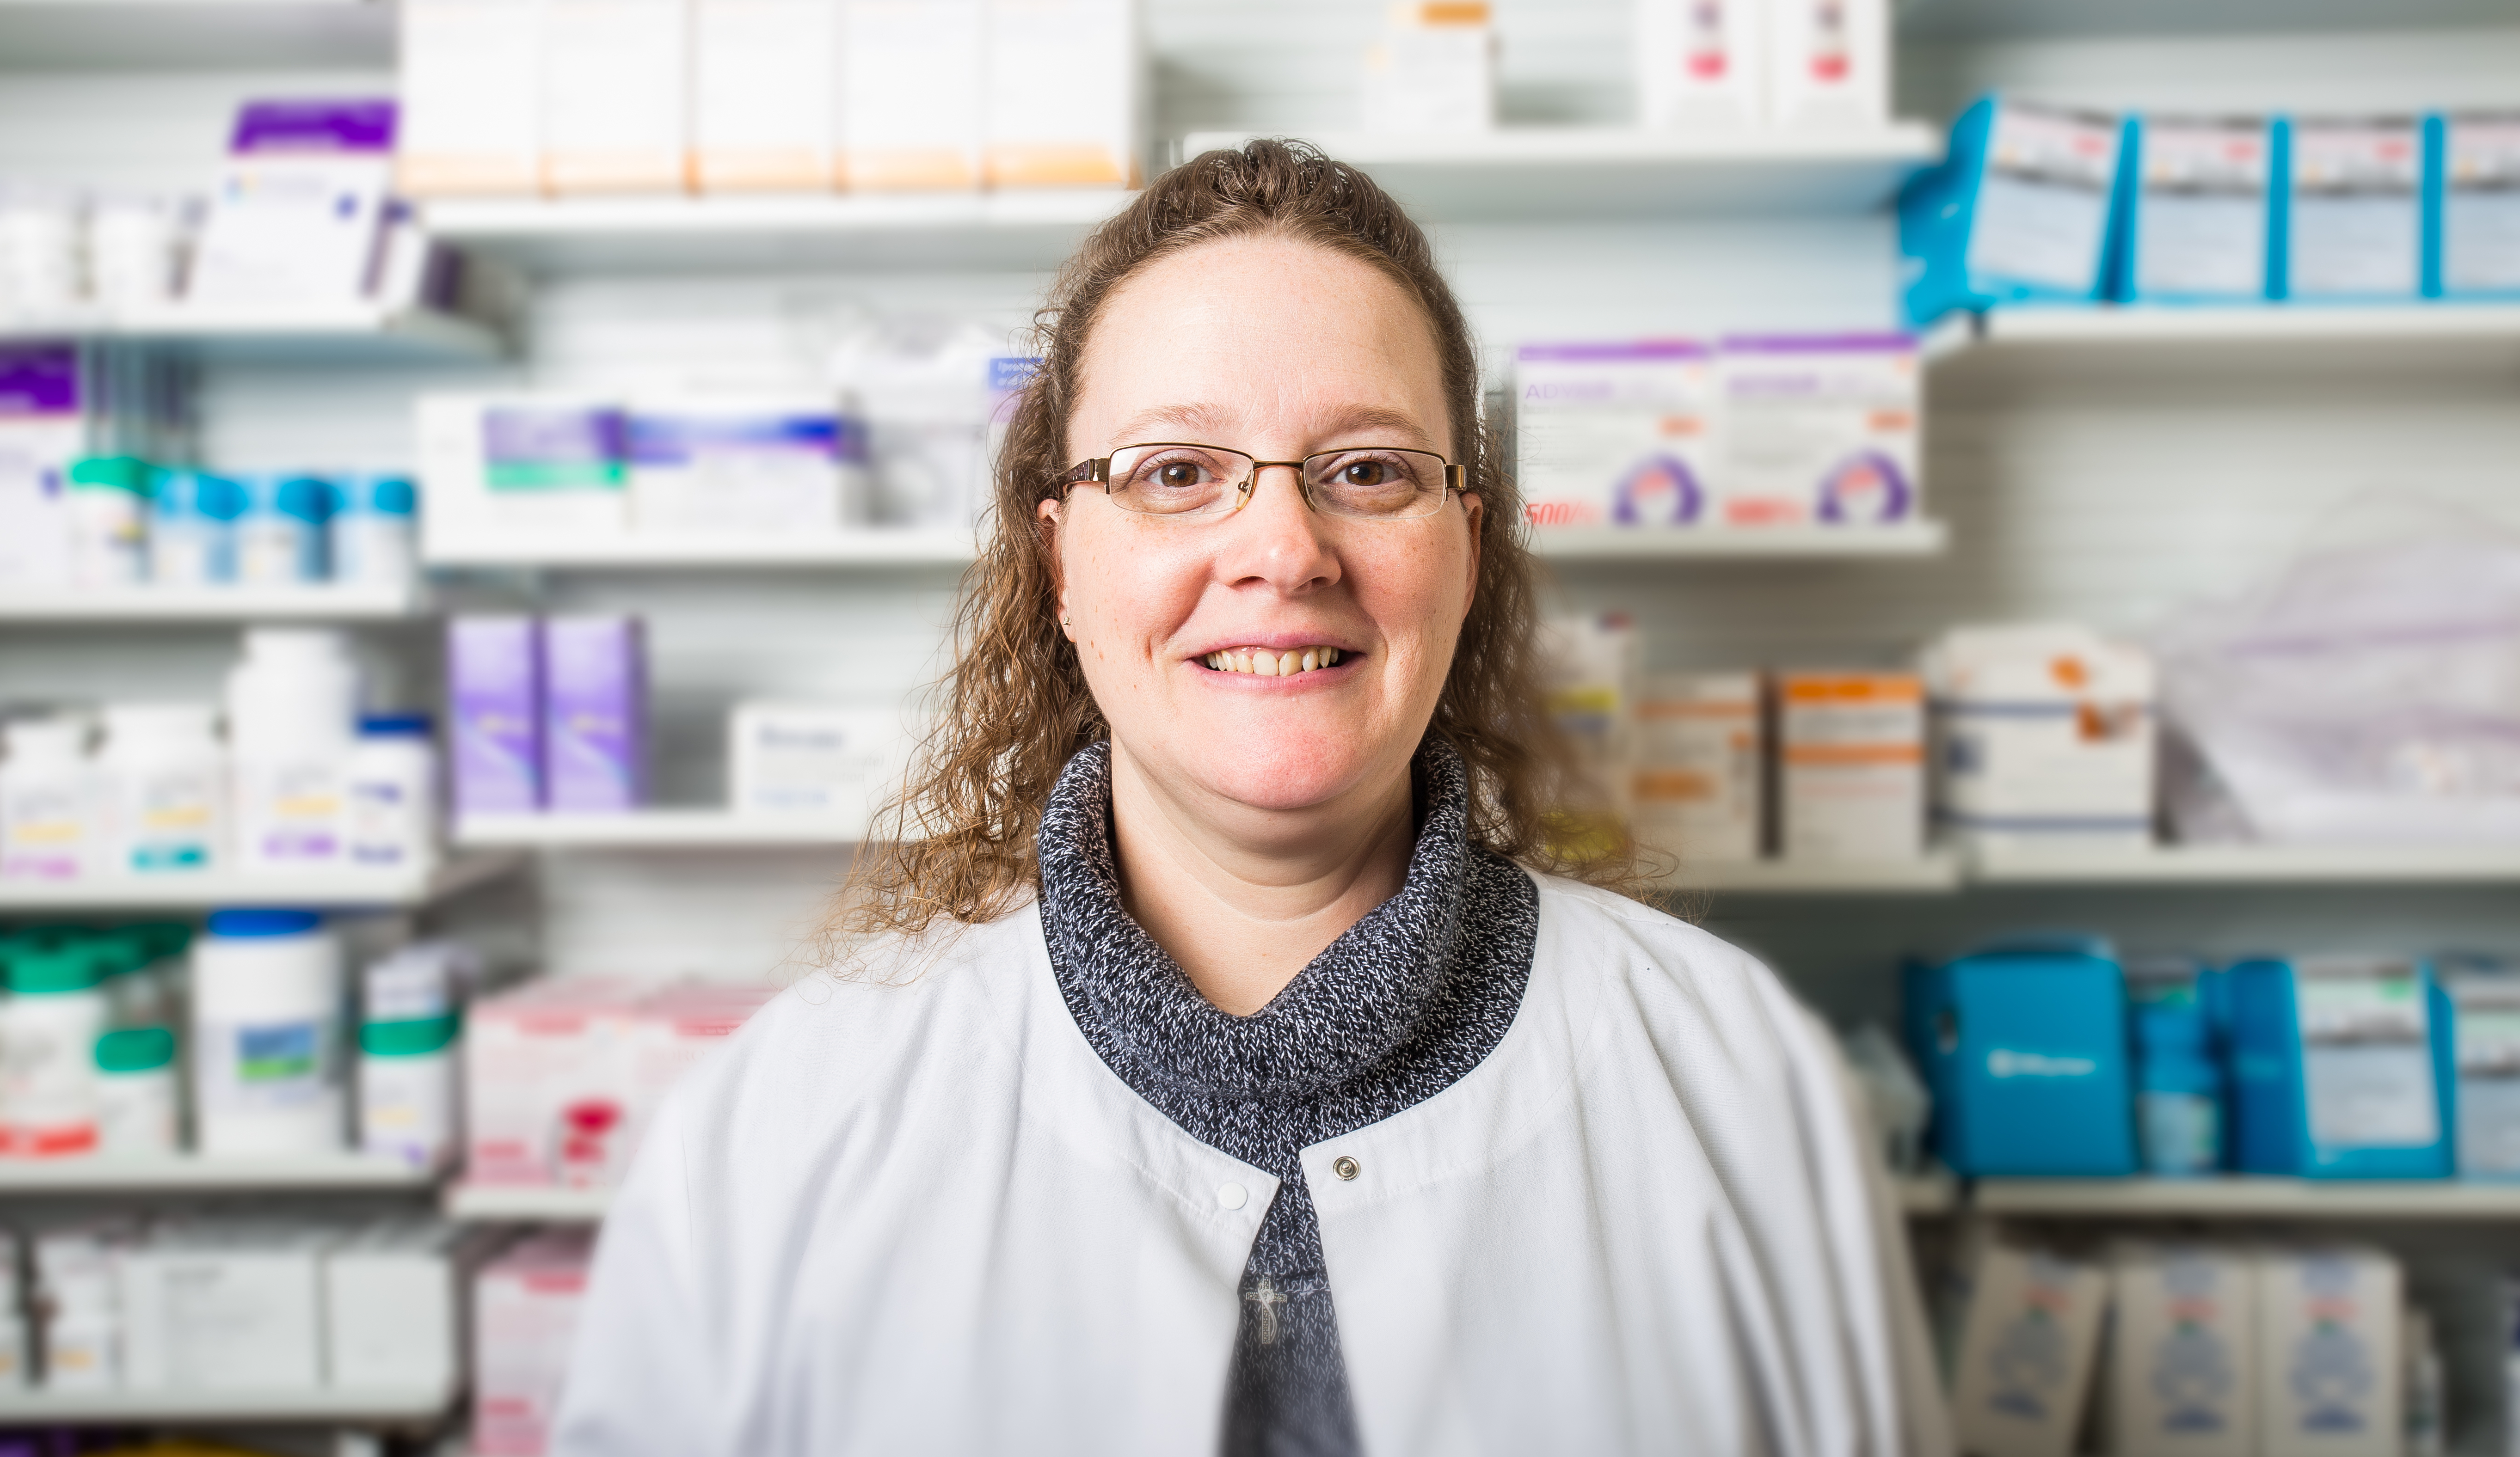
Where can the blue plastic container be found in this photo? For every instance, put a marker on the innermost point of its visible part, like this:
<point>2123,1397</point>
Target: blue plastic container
<point>2341,1067</point>
<point>2018,213</point>
<point>2024,1048</point>
<point>285,533</point>
<point>2178,1090</point>
<point>193,528</point>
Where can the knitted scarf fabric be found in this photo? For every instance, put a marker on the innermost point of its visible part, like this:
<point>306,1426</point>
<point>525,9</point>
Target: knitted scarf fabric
<point>1397,1009</point>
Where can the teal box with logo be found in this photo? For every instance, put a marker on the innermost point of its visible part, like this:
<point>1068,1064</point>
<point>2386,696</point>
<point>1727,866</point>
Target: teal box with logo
<point>2341,1067</point>
<point>2024,1048</point>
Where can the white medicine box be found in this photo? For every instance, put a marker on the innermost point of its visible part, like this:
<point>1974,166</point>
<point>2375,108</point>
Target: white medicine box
<point>836,763</point>
<point>2330,1381</point>
<point>2043,735</point>
<point>471,97</point>
<point>1817,431</point>
<point>1433,71</point>
<point>2027,1352</point>
<point>1698,756</point>
<point>1091,134</point>
<point>1850,765</point>
<point>2182,1353</point>
<point>225,1306</point>
<point>495,467</point>
<point>393,1310</point>
<point>1614,434</point>
<point>765,95</point>
<point>914,106</point>
<point>1700,63</point>
<point>616,96</point>
<point>1828,64</point>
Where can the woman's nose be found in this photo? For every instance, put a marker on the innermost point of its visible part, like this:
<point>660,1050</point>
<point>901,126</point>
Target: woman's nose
<point>1275,533</point>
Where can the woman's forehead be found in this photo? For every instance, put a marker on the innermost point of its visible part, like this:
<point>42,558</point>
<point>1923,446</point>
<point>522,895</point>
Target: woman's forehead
<point>1211,423</point>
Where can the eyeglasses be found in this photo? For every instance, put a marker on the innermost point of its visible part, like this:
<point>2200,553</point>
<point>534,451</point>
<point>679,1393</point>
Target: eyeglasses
<point>1207,484</point>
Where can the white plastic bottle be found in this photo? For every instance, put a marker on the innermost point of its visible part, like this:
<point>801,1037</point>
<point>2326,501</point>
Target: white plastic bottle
<point>409,1060</point>
<point>163,776</point>
<point>47,800</point>
<point>373,537</point>
<point>137,1100</point>
<point>393,793</point>
<point>109,515</point>
<point>49,1026</point>
<point>292,705</point>
<point>267,1035</point>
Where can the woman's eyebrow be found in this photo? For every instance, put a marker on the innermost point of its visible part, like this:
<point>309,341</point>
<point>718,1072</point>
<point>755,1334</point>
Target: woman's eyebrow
<point>1201,422</point>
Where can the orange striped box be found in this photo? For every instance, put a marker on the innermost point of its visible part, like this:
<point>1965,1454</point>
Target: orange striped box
<point>765,95</point>
<point>1084,130</point>
<point>471,97</point>
<point>616,98</point>
<point>1697,792</point>
<point>1850,765</point>
<point>911,95</point>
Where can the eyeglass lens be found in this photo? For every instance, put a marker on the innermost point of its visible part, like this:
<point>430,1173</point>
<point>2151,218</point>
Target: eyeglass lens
<point>1195,480</point>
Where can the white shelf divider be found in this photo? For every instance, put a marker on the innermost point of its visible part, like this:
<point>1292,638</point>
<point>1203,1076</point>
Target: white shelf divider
<point>343,333</point>
<point>350,1405</point>
<point>1930,874</point>
<point>873,547</point>
<point>2242,1197</point>
<point>335,890</point>
<point>525,1204</point>
<point>1027,229</point>
<point>345,602</point>
<point>1758,543</point>
<point>1523,173</point>
<point>651,830</point>
<point>2246,864</point>
<point>194,1174</point>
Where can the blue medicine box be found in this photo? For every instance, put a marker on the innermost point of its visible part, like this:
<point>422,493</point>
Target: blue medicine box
<point>2341,1067</point>
<point>2473,227</point>
<point>2017,213</point>
<point>2195,211</point>
<point>2349,217</point>
<point>2025,1053</point>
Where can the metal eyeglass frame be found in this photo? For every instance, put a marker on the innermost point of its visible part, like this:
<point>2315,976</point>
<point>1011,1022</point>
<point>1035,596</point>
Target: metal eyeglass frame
<point>1098,472</point>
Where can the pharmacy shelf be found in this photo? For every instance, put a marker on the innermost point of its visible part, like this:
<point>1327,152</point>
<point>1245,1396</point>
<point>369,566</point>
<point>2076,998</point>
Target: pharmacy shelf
<point>158,36</point>
<point>339,335</point>
<point>2249,864</point>
<point>1931,874</point>
<point>1539,174</point>
<point>2008,349</point>
<point>525,1204</point>
<point>237,604</point>
<point>651,830</point>
<point>872,547</point>
<point>194,1174</point>
<point>1934,1192</point>
<point>1987,20</point>
<point>1756,543</point>
<point>2246,1198</point>
<point>334,890</point>
<point>127,1407</point>
<point>931,232</point>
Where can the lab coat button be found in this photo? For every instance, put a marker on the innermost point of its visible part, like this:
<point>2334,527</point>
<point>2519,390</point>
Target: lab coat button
<point>1344,1167</point>
<point>1231,1196</point>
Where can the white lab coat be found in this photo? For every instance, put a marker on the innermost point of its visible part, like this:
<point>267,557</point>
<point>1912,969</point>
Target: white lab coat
<point>923,1217</point>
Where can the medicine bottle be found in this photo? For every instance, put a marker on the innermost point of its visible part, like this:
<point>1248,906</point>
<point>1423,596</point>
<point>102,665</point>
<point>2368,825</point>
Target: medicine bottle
<point>49,1026</point>
<point>108,504</point>
<point>392,793</point>
<point>407,1086</point>
<point>292,708</point>
<point>285,533</point>
<point>138,1104</point>
<point>373,537</point>
<point>193,529</point>
<point>266,1035</point>
<point>47,804</point>
<point>165,783</point>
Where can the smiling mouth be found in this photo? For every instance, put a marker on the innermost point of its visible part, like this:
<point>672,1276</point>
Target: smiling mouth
<point>1262,662</point>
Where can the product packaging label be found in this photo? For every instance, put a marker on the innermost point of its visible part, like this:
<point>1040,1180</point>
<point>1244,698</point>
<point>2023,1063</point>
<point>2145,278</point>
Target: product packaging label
<point>1614,434</point>
<point>527,448</point>
<point>266,1064</point>
<point>2488,1036</point>
<point>2184,1353</point>
<point>2027,1352</point>
<point>1697,793</point>
<point>2201,226</point>
<point>43,830</point>
<point>1818,429</point>
<point>2366,1061</point>
<point>2328,1332</point>
<point>1851,765</point>
<point>2481,204</point>
<point>2043,202</point>
<point>739,472</point>
<point>2357,222</point>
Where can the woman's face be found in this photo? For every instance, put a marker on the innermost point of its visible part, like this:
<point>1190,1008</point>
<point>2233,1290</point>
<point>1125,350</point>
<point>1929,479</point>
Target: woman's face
<point>1279,349</point>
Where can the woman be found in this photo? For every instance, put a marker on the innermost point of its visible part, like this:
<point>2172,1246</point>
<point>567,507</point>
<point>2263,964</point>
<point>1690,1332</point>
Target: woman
<point>1207,1068</point>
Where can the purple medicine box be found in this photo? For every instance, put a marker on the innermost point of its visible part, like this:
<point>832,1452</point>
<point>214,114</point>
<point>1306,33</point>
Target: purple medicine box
<point>494,675</point>
<point>595,712</point>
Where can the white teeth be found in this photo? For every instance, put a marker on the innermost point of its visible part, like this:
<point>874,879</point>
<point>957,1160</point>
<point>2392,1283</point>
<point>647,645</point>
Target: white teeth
<point>1330,657</point>
<point>1263,663</point>
<point>1312,658</point>
<point>1242,661</point>
<point>1289,665</point>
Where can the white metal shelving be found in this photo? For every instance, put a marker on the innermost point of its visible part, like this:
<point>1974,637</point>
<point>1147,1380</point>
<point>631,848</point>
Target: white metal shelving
<point>1745,542</point>
<point>1932,1192</point>
<point>1521,173</point>
<point>194,35</point>
<point>194,1174</point>
<point>2011,349</point>
<point>926,231</point>
<point>345,602</point>
<point>1930,874</point>
<point>338,334</point>
<point>651,830</point>
<point>525,1204</point>
<point>2250,864</point>
<point>343,1405</point>
<point>2247,1197</point>
<point>1982,19</point>
<point>332,890</point>
<point>872,547</point>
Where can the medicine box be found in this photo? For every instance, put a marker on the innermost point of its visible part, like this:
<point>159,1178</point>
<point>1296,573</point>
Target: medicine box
<point>1850,765</point>
<point>616,96</point>
<point>836,764</point>
<point>546,1084</point>
<point>1065,136</point>
<point>914,108</point>
<point>2018,212</point>
<point>225,1305</point>
<point>494,688</point>
<point>2195,210</point>
<point>2485,1008</point>
<point>43,428</point>
<point>1816,429</point>
<point>1701,64</point>
<point>2025,1051</point>
<point>2352,213</point>
<point>1614,434</point>
<point>298,216</point>
<point>595,712</point>
<point>2332,1378</point>
<point>495,467</point>
<point>1828,64</point>
<point>1589,671</point>
<point>2182,1353</point>
<point>2027,1349</point>
<point>393,1305</point>
<point>2341,1067</point>
<point>2043,736</point>
<point>1433,70</point>
<point>1699,767</point>
<point>470,87</point>
<point>764,466</point>
<point>2477,229</point>
<point>525,1306</point>
<point>765,95</point>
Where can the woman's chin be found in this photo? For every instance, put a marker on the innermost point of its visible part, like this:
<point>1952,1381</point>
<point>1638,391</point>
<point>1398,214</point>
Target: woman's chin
<point>1283,781</point>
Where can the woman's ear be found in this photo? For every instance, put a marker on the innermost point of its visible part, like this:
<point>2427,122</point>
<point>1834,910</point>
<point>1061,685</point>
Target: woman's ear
<point>1046,515</point>
<point>1476,513</point>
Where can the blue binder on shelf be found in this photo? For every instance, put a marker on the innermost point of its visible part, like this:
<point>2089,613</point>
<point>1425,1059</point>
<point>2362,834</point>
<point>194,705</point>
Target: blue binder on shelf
<point>2023,1046</point>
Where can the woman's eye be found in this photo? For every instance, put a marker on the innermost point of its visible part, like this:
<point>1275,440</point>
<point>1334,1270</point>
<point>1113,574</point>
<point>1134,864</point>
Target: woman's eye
<point>1176,474</point>
<point>1367,473</point>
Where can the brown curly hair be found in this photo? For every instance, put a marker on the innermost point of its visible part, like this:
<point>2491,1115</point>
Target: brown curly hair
<point>959,842</point>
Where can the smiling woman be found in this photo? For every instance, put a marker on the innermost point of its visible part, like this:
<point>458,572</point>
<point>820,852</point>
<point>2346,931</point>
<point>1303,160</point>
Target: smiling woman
<point>1219,1051</point>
